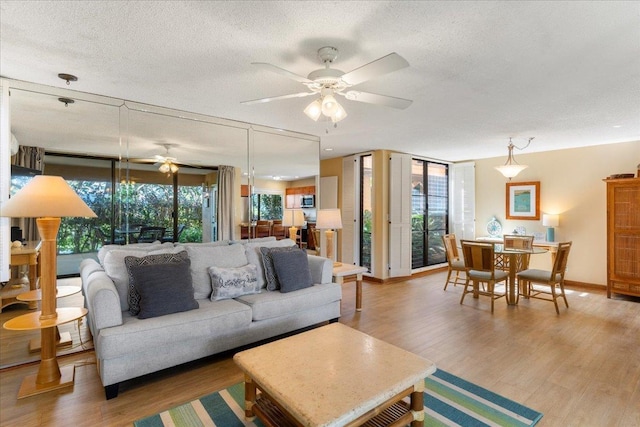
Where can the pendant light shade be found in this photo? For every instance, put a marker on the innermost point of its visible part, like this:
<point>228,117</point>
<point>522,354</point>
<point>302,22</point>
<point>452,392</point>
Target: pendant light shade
<point>512,168</point>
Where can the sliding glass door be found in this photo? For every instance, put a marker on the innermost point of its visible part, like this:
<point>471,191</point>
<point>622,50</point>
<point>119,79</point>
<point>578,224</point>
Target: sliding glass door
<point>429,212</point>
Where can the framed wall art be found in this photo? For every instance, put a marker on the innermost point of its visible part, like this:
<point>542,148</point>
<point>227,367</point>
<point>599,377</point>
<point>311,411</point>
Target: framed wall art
<point>523,200</point>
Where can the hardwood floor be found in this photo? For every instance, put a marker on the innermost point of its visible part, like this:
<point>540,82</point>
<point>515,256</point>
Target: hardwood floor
<point>579,368</point>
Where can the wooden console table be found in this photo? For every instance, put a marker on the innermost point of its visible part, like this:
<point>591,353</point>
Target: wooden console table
<point>28,254</point>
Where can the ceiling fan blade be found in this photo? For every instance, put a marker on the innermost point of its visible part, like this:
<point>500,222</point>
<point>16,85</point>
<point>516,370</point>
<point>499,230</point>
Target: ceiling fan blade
<point>275,98</point>
<point>142,160</point>
<point>373,98</point>
<point>384,65</point>
<point>282,71</point>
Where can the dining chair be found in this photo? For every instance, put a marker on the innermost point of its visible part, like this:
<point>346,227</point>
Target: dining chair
<point>480,268</point>
<point>455,261</point>
<point>316,238</point>
<point>246,232</point>
<point>263,229</point>
<point>553,279</point>
<point>278,230</point>
<point>516,242</point>
<point>168,235</point>
<point>151,234</point>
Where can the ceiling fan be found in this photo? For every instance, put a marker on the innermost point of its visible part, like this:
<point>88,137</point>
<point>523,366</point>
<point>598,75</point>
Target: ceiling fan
<point>165,163</point>
<point>328,82</point>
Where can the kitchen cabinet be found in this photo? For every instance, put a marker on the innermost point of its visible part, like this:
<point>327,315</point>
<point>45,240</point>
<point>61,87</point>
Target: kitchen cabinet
<point>293,196</point>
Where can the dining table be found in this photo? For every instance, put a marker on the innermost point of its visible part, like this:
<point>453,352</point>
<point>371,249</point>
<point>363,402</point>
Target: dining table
<point>129,233</point>
<point>516,263</point>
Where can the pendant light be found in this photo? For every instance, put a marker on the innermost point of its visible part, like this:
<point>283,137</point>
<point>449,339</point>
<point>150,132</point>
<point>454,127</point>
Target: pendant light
<point>512,168</point>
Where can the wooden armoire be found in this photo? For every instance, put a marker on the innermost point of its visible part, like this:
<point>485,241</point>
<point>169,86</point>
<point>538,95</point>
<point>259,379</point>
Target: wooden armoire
<point>623,236</point>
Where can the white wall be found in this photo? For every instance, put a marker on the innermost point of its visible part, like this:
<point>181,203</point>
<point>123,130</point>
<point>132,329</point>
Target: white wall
<point>570,185</point>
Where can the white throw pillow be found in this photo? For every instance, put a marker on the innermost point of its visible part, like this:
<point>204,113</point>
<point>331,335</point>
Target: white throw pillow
<point>204,256</point>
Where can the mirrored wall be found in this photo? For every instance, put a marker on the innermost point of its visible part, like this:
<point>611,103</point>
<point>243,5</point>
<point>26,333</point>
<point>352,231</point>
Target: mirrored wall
<point>111,150</point>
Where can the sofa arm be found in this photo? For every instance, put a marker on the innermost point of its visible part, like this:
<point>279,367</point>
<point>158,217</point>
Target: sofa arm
<point>102,302</point>
<point>321,269</point>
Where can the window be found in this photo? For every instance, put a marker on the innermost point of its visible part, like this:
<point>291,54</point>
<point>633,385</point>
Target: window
<point>366,211</point>
<point>266,206</point>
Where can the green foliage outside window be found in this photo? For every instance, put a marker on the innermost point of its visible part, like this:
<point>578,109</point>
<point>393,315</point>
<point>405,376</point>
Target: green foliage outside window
<point>266,206</point>
<point>148,204</point>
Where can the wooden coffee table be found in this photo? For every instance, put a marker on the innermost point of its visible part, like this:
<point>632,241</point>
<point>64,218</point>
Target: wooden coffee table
<point>333,376</point>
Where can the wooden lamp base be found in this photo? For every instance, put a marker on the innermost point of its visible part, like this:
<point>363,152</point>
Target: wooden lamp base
<point>63,339</point>
<point>30,387</point>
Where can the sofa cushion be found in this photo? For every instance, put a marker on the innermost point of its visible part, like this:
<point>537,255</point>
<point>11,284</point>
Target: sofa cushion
<point>131,262</point>
<point>205,256</point>
<point>269,305</point>
<point>146,247</point>
<point>292,269</point>
<point>163,288</point>
<point>117,271</point>
<point>254,240</point>
<point>270,275</point>
<point>254,256</point>
<point>211,319</point>
<point>216,243</point>
<point>233,282</point>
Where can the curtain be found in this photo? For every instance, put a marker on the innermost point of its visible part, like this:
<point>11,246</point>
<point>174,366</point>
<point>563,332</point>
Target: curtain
<point>226,202</point>
<point>32,158</point>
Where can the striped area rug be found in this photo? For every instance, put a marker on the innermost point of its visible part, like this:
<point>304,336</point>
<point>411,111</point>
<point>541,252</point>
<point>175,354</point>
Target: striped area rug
<point>449,401</point>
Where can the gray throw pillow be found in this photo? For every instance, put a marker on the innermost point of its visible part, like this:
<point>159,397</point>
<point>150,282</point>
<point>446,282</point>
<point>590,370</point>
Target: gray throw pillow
<point>292,268</point>
<point>132,261</point>
<point>233,282</point>
<point>270,275</point>
<point>164,288</point>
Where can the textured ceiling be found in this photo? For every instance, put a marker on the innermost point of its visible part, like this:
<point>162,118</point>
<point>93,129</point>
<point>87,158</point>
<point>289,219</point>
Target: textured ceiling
<point>567,73</point>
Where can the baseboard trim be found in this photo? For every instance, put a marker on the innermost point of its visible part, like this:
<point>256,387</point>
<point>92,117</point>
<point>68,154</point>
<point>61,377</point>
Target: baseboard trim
<point>585,285</point>
<point>390,280</point>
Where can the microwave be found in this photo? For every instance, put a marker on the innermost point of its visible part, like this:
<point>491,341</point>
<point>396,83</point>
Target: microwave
<point>307,201</point>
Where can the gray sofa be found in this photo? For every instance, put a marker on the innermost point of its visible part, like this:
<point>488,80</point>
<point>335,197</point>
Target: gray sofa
<point>127,346</point>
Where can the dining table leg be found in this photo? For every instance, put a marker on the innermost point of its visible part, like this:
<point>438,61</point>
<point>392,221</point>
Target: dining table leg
<point>512,293</point>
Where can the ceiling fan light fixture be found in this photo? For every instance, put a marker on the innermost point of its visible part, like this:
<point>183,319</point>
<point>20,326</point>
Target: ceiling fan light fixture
<point>314,110</point>
<point>339,114</point>
<point>164,168</point>
<point>329,105</point>
<point>174,168</point>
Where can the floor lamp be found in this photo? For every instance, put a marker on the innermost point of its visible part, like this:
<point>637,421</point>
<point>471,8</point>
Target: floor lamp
<point>329,220</point>
<point>47,198</point>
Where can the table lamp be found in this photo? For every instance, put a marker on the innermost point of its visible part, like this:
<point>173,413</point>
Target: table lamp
<point>329,220</point>
<point>550,221</point>
<point>293,218</point>
<point>47,198</point>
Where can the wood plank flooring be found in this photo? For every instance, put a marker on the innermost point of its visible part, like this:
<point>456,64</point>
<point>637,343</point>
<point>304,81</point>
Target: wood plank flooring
<point>581,368</point>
